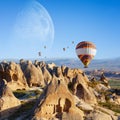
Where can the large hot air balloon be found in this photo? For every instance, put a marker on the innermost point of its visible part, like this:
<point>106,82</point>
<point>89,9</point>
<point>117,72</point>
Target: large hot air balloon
<point>86,51</point>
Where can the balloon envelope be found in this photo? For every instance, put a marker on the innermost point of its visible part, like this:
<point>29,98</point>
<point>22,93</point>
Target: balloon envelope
<point>45,46</point>
<point>63,49</point>
<point>86,51</point>
<point>39,53</point>
<point>72,42</point>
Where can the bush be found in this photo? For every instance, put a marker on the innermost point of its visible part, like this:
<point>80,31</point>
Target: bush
<point>19,93</point>
<point>111,106</point>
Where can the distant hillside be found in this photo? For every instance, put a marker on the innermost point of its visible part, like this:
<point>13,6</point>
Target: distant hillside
<point>107,64</point>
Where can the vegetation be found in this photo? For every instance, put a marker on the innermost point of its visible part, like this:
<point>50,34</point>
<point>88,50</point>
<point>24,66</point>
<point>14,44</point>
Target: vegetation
<point>111,106</point>
<point>26,106</point>
<point>114,83</point>
<point>23,110</point>
<point>26,94</point>
<point>106,94</point>
<point>19,93</point>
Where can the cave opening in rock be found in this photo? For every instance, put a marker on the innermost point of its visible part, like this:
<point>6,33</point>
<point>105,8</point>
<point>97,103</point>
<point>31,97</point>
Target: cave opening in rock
<point>67,105</point>
<point>14,77</point>
<point>80,91</point>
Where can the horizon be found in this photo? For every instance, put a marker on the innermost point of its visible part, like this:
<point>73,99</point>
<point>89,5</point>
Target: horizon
<point>27,26</point>
<point>60,58</point>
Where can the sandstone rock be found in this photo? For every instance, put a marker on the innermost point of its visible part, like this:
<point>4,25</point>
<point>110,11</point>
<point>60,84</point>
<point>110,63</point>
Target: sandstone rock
<point>13,75</point>
<point>104,80</point>
<point>97,115</point>
<point>18,79</point>
<point>51,65</point>
<point>42,64</point>
<point>102,92</point>
<point>3,73</point>
<point>22,61</point>
<point>57,102</point>
<point>82,90</point>
<point>100,110</point>
<point>47,76</point>
<point>63,68</point>
<point>57,71</point>
<point>84,106</point>
<point>33,74</point>
<point>101,87</point>
<point>8,102</point>
<point>3,66</point>
<point>36,63</point>
<point>117,100</point>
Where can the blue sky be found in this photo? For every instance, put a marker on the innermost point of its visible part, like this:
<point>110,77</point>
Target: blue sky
<point>74,20</point>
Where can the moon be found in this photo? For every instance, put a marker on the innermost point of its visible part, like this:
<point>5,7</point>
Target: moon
<point>33,29</point>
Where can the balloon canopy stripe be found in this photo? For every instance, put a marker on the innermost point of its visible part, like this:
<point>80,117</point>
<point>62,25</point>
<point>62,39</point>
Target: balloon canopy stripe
<point>88,51</point>
<point>85,45</point>
<point>86,58</point>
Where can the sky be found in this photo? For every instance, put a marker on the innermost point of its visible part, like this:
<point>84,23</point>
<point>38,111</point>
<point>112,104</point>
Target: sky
<point>27,26</point>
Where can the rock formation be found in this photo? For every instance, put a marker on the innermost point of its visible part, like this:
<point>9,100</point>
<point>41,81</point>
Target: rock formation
<point>57,102</point>
<point>68,93</point>
<point>13,74</point>
<point>82,90</point>
<point>46,75</point>
<point>32,73</point>
<point>8,102</point>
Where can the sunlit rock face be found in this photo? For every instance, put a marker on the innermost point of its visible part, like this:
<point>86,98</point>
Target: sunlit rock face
<point>57,102</point>
<point>68,93</point>
<point>13,74</point>
<point>33,74</point>
<point>82,90</point>
<point>8,102</point>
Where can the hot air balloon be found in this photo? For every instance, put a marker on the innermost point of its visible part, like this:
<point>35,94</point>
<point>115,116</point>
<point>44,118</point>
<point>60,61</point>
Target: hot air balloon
<point>72,42</point>
<point>39,53</point>
<point>86,51</point>
<point>45,46</point>
<point>63,49</point>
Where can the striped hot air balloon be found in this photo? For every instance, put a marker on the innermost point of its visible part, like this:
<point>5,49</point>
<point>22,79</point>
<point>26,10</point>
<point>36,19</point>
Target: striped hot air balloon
<point>86,51</point>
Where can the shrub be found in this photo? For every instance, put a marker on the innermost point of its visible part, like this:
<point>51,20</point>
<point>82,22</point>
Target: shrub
<point>111,106</point>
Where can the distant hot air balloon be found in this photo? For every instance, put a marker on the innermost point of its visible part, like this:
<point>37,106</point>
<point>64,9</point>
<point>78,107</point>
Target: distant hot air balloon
<point>86,51</point>
<point>45,46</point>
<point>63,49</point>
<point>39,53</point>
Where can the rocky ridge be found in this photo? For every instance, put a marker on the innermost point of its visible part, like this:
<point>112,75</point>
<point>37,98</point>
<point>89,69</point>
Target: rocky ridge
<point>68,93</point>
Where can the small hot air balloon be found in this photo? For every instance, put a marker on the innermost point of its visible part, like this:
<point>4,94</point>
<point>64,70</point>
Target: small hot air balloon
<point>72,42</point>
<point>86,51</point>
<point>63,49</point>
<point>45,46</point>
<point>39,53</point>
